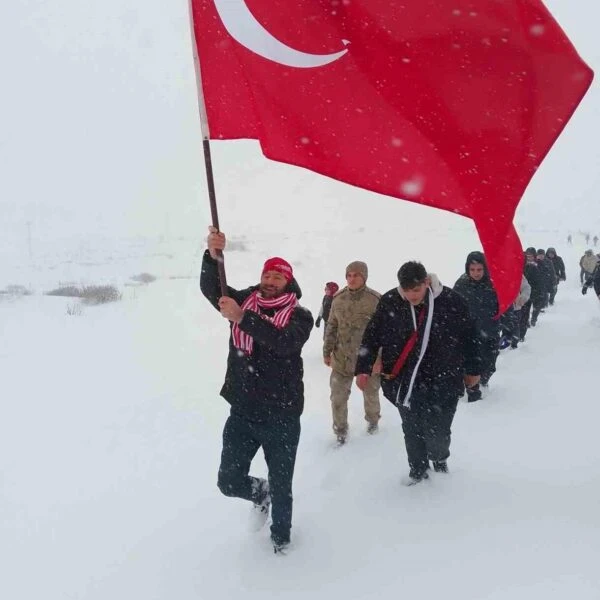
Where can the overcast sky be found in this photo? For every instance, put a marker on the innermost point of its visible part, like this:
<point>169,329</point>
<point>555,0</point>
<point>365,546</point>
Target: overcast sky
<point>99,126</point>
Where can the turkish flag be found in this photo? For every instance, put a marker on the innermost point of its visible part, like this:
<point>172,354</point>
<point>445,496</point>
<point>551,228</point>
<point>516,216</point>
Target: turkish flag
<point>449,104</point>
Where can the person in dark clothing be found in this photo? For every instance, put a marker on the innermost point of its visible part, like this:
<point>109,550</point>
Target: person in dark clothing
<point>475,286</point>
<point>429,352</point>
<point>263,384</point>
<point>593,280</point>
<point>331,287</point>
<point>548,275</point>
<point>510,321</point>
<point>536,299</point>
<point>559,269</point>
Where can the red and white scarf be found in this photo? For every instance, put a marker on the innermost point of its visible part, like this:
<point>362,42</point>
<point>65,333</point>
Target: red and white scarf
<point>254,302</point>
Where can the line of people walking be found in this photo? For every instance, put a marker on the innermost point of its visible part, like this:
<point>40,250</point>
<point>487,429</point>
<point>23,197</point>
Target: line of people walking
<point>421,343</point>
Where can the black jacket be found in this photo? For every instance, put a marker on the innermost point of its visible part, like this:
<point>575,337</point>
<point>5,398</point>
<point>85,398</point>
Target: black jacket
<point>558,263</point>
<point>547,274</point>
<point>480,297</point>
<point>268,383</point>
<point>533,275</point>
<point>452,351</point>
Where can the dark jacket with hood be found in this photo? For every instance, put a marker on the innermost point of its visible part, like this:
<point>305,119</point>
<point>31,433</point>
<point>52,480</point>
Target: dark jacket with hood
<point>547,273</point>
<point>480,297</point>
<point>452,351</point>
<point>558,263</point>
<point>533,275</point>
<point>267,383</point>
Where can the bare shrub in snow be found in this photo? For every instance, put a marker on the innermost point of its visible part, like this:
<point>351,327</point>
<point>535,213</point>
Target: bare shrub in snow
<point>143,278</point>
<point>74,310</point>
<point>100,294</point>
<point>16,290</point>
<point>68,291</point>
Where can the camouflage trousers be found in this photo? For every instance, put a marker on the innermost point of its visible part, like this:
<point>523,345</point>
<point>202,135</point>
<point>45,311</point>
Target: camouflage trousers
<point>341,385</point>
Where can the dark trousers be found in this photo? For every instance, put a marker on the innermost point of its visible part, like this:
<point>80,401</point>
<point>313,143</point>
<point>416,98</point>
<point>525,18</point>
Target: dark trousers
<point>524,319</point>
<point>279,439</point>
<point>426,426</point>
<point>510,323</point>
<point>553,294</point>
<point>536,307</point>
<point>488,351</point>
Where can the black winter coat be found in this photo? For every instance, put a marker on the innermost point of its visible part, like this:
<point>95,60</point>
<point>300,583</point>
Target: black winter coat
<point>269,382</point>
<point>533,275</point>
<point>482,301</point>
<point>452,351</point>
<point>558,263</point>
<point>547,273</point>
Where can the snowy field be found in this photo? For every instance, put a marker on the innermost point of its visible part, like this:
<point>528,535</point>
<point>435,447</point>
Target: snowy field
<point>110,443</point>
<point>111,415</point>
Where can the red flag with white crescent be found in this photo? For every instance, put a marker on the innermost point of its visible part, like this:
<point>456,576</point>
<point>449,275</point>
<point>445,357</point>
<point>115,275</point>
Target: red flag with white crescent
<point>449,104</point>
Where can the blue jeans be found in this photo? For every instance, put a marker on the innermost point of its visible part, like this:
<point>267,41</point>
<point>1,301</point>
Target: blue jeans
<point>279,437</point>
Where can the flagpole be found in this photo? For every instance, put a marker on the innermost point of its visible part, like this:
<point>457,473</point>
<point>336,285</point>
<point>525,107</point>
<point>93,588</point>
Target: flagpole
<point>212,195</point>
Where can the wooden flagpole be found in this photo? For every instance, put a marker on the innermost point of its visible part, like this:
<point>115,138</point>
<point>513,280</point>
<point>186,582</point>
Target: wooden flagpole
<point>212,196</point>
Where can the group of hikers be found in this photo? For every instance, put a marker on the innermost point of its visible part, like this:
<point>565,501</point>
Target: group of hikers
<point>421,343</point>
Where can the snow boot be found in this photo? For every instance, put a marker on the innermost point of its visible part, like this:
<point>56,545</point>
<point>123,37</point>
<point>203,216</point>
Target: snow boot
<point>280,546</point>
<point>474,393</point>
<point>440,466</point>
<point>260,509</point>
<point>414,478</point>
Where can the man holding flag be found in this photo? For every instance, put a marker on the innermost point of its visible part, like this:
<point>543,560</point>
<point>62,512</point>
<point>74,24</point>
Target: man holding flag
<point>263,385</point>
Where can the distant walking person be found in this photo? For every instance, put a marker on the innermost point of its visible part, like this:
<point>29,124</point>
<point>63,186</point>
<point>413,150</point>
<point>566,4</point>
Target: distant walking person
<point>588,264</point>
<point>548,275</point>
<point>331,287</point>
<point>593,280</point>
<point>351,310</point>
<point>559,270</point>
<point>263,385</point>
<point>429,353</point>
<point>475,286</point>
<point>595,240</point>
<point>536,301</point>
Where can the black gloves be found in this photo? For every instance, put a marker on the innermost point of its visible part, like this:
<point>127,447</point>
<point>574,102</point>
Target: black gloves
<point>584,290</point>
<point>318,322</point>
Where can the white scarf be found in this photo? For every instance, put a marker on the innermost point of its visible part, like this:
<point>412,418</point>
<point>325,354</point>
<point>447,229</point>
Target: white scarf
<point>406,400</point>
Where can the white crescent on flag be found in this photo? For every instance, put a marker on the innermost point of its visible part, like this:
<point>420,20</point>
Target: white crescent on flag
<point>242,26</point>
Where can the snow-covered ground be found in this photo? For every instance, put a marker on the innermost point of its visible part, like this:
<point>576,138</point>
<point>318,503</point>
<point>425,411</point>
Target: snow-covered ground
<point>110,442</point>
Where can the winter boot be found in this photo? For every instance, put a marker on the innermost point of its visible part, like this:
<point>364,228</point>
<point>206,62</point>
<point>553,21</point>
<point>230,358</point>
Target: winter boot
<point>474,393</point>
<point>414,478</point>
<point>440,466</point>
<point>280,546</point>
<point>340,435</point>
<point>260,509</point>
<point>372,428</point>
